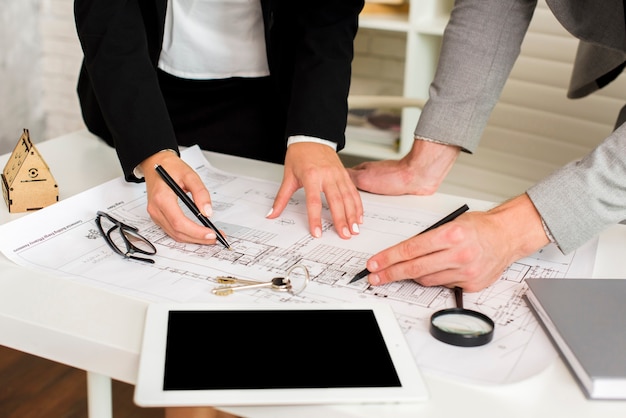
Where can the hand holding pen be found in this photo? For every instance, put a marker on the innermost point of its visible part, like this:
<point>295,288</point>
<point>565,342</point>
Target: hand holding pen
<point>163,205</point>
<point>365,272</point>
<point>190,204</point>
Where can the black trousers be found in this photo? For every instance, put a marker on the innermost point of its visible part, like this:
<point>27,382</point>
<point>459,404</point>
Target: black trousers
<point>236,116</point>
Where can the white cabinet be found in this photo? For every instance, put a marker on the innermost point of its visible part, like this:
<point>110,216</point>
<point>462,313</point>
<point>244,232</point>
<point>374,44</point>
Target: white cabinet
<point>423,26</point>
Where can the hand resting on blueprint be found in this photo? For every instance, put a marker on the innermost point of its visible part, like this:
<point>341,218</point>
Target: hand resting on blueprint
<point>318,169</point>
<point>470,252</point>
<point>315,167</point>
<point>419,172</point>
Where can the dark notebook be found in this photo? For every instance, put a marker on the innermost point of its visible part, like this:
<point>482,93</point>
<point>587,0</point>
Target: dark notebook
<point>586,319</point>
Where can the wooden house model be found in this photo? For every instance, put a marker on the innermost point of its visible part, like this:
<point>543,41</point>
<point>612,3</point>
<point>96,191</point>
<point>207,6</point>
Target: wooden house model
<point>27,183</point>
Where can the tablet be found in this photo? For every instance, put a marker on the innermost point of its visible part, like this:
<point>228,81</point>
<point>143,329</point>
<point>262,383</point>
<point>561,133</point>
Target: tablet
<point>219,355</point>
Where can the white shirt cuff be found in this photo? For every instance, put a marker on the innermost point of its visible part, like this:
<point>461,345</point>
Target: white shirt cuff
<point>138,172</point>
<point>547,231</point>
<point>303,138</point>
<point>436,141</point>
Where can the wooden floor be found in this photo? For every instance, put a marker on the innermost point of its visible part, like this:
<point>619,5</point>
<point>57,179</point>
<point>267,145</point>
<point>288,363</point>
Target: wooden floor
<point>33,387</point>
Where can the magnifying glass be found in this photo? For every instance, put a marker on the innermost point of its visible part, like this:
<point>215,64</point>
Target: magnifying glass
<point>461,327</point>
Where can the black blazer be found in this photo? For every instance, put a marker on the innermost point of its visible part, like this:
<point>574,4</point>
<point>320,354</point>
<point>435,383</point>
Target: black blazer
<point>309,47</point>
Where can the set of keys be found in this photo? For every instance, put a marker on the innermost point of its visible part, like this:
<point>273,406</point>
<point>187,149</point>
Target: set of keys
<point>294,282</point>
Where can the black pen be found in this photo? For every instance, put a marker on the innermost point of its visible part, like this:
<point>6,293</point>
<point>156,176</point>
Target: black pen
<point>189,203</point>
<point>442,221</point>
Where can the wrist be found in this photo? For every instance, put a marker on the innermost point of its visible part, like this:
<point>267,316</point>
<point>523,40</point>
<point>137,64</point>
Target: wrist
<point>431,161</point>
<point>521,223</point>
<point>149,162</point>
<point>295,139</point>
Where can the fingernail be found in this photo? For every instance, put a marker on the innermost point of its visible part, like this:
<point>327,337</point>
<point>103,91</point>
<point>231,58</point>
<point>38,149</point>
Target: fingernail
<point>270,212</point>
<point>373,279</point>
<point>318,232</point>
<point>361,219</point>
<point>210,235</point>
<point>208,210</point>
<point>355,228</point>
<point>346,231</point>
<point>373,266</point>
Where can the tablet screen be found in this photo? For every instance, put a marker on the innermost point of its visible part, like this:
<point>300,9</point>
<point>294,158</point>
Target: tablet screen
<point>264,349</point>
<point>285,354</point>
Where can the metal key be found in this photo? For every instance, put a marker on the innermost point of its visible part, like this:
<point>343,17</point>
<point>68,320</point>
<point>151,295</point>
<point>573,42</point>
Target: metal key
<point>280,284</point>
<point>230,280</point>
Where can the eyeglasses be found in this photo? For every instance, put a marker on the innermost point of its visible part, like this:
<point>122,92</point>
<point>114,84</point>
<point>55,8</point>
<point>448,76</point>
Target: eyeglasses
<point>124,239</point>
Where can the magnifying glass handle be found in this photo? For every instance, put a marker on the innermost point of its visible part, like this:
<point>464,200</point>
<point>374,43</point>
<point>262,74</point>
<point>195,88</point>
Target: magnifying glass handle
<point>458,295</point>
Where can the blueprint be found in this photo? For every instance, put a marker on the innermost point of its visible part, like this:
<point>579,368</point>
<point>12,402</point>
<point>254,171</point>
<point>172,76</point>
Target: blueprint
<point>63,239</point>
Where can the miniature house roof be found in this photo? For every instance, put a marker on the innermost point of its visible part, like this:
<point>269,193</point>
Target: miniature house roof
<point>27,183</point>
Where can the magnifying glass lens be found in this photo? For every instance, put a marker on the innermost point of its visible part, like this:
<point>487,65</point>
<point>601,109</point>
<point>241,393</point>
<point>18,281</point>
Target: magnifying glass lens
<point>462,324</point>
<point>461,327</point>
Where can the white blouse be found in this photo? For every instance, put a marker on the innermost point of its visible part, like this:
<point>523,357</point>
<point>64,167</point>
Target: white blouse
<point>214,39</point>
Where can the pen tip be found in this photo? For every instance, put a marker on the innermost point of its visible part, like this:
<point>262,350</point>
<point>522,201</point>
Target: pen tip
<point>359,275</point>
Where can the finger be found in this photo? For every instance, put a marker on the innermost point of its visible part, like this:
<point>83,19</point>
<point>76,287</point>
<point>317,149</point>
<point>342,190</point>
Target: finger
<point>354,206</point>
<point>415,268</point>
<point>166,213</point>
<point>435,268</point>
<point>409,249</point>
<point>462,278</point>
<point>287,188</point>
<point>192,183</point>
<point>313,198</point>
<point>337,210</point>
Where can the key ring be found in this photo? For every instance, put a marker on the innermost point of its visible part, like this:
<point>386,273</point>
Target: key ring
<point>288,282</point>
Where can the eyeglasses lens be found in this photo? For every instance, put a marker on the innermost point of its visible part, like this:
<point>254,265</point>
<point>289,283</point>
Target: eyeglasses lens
<point>124,238</point>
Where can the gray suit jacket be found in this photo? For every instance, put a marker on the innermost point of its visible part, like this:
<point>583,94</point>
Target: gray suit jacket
<point>481,44</point>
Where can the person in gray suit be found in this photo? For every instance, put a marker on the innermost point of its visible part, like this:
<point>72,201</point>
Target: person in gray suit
<point>569,207</point>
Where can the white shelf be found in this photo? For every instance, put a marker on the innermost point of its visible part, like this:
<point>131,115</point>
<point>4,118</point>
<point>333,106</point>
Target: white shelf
<point>368,149</point>
<point>396,23</point>
<point>432,26</point>
<point>400,23</point>
<point>423,26</point>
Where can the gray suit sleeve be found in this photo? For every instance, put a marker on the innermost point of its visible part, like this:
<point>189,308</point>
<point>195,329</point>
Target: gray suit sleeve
<point>480,46</point>
<point>584,197</point>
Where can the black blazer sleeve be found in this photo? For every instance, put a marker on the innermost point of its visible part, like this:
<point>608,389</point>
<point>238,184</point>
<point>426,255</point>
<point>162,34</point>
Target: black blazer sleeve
<point>310,54</point>
<point>118,87</point>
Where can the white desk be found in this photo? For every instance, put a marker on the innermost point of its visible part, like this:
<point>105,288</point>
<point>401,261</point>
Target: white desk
<point>100,332</point>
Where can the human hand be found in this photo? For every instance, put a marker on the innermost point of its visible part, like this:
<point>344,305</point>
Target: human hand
<point>471,251</point>
<point>163,205</point>
<point>420,172</point>
<point>318,169</point>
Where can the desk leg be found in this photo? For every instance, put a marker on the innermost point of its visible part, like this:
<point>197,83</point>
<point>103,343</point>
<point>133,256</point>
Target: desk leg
<point>99,398</point>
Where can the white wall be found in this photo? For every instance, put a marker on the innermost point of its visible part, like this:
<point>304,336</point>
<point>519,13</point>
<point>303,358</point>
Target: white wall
<point>20,71</point>
<point>61,59</point>
<point>39,62</point>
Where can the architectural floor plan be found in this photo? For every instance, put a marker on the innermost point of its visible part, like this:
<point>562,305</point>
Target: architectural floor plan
<point>64,239</point>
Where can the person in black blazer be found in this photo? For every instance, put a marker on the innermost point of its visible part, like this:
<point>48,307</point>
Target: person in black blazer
<point>141,110</point>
